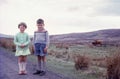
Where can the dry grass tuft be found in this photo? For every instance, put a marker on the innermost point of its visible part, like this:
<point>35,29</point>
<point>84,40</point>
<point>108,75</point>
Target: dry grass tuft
<point>113,66</point>
<point>81,62</point>
<point>8,44</point>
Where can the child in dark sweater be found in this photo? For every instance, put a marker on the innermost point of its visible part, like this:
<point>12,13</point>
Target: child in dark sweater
<point>41,43</point>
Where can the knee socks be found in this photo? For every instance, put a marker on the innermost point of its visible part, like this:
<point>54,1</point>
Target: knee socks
<point>41,66</point>
<point>22,66</point>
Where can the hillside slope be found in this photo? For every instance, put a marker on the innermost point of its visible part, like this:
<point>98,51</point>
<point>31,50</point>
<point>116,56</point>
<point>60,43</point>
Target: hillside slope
<point>104,35</point>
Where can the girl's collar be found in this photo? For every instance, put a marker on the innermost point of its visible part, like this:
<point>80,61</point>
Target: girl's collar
<point>22,32</point>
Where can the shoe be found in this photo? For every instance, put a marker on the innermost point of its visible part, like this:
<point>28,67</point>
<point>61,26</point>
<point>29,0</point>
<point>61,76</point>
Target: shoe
<point>22,73</point>
<point>37,72</point>
<point>42,73</point>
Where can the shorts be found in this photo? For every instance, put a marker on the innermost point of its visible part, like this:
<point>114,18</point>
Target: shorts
<point>39,49</point>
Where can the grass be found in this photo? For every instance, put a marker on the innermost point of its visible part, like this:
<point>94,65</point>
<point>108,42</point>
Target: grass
<point>67,67</point>
<point>57,60</point>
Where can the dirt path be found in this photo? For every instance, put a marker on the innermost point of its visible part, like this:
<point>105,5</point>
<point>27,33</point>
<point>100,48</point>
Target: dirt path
<point>9,68</point>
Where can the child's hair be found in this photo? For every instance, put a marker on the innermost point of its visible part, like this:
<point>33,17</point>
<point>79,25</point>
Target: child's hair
<point>40,21</point>
<point>22,24</point>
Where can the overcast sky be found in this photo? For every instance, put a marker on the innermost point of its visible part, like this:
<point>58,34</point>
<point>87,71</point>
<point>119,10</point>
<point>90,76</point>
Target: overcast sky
<point>61,16</point>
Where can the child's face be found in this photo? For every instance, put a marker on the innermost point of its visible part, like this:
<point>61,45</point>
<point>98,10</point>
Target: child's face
<point>22,28</point>
<point>40,25</point>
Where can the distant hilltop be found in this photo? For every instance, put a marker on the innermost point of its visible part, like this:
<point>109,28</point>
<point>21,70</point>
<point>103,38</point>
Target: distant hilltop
<point>109,35</point>
<point>6,36</point>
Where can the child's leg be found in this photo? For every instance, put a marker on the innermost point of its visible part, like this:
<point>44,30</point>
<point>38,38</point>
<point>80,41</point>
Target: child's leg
<point>38,66</point>
<point>20,63</point>
<point>39,63</point>
<point>43,63</point>
<point>24,63</point>
<point>43,66</point>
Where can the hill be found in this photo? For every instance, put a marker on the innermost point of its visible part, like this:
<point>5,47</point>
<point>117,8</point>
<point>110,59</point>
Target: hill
<point>5,36</point>
<point>109,35</point>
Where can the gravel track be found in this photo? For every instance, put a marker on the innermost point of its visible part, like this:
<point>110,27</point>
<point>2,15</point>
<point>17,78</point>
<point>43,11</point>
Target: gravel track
<point>9,68</point>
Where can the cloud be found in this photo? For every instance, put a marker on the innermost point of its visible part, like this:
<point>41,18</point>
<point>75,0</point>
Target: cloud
<point>109,8</point>
<point>3,2</point>
<point>70,15</point>
<point>114,1</point>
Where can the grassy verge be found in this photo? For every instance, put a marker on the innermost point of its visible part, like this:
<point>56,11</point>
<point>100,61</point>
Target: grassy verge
<point>66,68</point>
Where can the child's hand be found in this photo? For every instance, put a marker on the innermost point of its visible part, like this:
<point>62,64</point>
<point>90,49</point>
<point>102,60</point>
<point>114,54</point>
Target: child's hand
<point>32,50</point>
<point>22,46</point>
<point>45,49</point>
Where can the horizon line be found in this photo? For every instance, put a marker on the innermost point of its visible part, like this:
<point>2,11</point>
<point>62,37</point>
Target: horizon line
<point>74,32</point>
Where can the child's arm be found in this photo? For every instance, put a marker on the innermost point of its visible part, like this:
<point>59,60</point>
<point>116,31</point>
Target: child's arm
<point>16,41</point>
<point>28,41</point>
<point>47,42</point>
<point>47,39</point>
<point>33,40</point>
